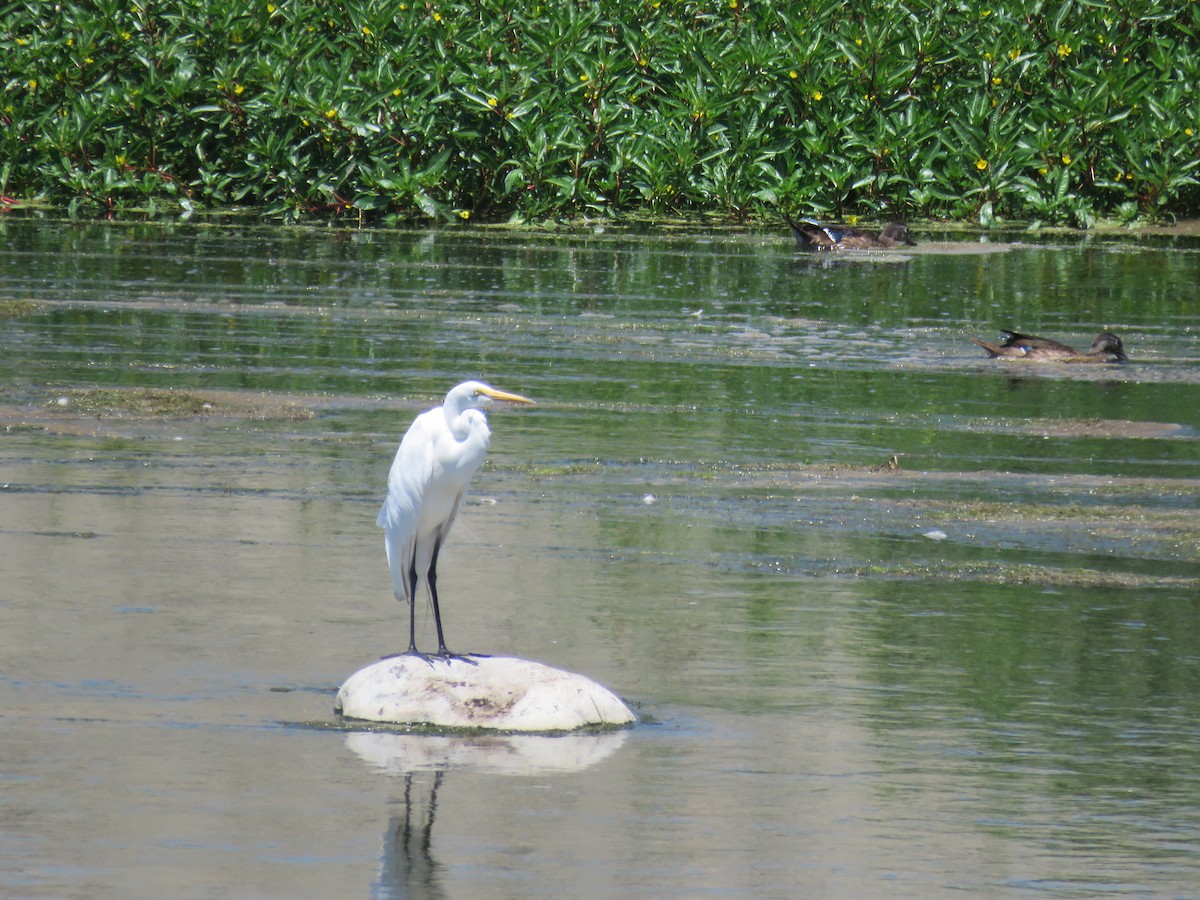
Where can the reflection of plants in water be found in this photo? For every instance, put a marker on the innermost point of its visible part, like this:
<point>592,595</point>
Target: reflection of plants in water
<point>1044,676</point>
<point>1059,113</point>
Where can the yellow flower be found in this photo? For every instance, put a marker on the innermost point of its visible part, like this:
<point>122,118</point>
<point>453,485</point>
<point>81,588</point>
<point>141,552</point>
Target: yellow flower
<point>981,164</point>
<point>33,84</point>
<point>125,35</point>
<point>1066,159</point>
<point>121,160</point>
<point>396,92</point>
<point>583,77</point>
<point>1064,50</point>
<point>492,101</point>
<point>1042,170</point>
<point>366,31</point>
<point>464,214</point>
<point>238,90</point>
<point>270,8</point>
<point>437,17</point>
<point>331,114</point>
<point>1188,132</point>
<point>818,96</point>
<point>793,74</point>
<point>1014,53</point>
<point>997,80</point>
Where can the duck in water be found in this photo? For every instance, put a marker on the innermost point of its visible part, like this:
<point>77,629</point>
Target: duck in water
<point>813,235</point>
<point>1105,348</point>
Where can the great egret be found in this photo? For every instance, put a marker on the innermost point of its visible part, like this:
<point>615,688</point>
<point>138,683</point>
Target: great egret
<point>437,457</point>
<point>1040,349</point>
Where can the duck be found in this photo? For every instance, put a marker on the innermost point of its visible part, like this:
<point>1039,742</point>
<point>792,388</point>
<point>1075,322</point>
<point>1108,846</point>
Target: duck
<point>1105,348</point>
<point>813,235</point>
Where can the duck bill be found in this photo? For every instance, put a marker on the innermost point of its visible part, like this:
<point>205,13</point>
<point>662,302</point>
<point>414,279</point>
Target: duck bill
<point>502,395</point>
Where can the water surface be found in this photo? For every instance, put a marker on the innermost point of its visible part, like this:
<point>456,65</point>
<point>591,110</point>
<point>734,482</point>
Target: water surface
<point>899,620</point>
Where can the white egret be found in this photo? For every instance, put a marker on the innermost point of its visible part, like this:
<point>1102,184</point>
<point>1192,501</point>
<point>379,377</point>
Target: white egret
<point>439,454</point>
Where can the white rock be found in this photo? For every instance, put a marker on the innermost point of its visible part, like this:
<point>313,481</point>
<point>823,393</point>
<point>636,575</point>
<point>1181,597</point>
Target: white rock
<point>481,692</point>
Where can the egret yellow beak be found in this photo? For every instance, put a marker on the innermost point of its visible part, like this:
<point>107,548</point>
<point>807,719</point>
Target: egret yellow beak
<point>501,395</point>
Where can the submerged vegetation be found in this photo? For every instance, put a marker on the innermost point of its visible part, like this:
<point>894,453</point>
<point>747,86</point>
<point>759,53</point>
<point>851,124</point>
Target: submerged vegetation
<point>151,403</point>
<point>140,402</point>
<point>12,308</point>
<point>1063,111</point>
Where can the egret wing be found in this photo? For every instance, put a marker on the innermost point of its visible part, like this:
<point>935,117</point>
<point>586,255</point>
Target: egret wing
<point>401,511</point>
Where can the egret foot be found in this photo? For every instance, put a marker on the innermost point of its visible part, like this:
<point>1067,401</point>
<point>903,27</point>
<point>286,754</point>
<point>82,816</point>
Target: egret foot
<point>465,657</point>
<point>444,654</point>
<point>411,651</point>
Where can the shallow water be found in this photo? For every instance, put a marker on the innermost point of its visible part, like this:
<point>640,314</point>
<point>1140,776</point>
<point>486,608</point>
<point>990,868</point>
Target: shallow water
<point>970,670</point>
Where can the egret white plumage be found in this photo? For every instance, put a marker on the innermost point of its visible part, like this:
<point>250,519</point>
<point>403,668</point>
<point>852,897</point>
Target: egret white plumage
<point>439,454</point>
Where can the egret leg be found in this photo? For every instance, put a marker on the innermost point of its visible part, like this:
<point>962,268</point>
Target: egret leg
<point>412,610</point>
<point>437,613</point>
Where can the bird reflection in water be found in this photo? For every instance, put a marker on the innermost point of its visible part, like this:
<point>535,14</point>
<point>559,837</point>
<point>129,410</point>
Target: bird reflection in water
<point>408,869</point>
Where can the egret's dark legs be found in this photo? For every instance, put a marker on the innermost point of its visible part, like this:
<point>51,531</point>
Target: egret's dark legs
<point>431,577</point>
<point>412,610</point>
<point>437,614</point>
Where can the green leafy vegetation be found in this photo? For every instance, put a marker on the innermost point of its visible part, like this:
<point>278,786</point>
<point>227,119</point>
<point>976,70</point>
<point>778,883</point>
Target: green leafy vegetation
<point>1058,112</point>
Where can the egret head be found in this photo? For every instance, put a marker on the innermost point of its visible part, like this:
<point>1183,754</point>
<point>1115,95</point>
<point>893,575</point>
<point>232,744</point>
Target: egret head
<point>477,395</point>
